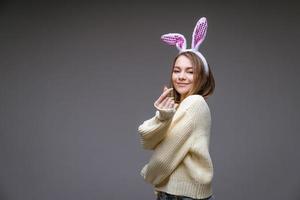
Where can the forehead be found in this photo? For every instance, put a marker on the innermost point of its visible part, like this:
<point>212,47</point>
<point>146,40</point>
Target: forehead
<point>183,62</point>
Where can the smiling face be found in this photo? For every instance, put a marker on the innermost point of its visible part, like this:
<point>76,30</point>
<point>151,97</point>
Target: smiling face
<point>183,75</point>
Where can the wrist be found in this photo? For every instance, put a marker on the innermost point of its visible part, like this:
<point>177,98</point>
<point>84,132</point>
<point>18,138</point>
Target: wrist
<point>164,113</point>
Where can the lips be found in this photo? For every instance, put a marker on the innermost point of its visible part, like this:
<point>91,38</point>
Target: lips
<point>181,84</point>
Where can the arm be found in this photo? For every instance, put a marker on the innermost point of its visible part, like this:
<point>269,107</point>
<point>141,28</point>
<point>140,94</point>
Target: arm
<point>172,150</point>
<point>153,130</point>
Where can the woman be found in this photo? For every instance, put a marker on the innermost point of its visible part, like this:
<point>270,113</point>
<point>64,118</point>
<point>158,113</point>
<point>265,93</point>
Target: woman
<point>179,133</point>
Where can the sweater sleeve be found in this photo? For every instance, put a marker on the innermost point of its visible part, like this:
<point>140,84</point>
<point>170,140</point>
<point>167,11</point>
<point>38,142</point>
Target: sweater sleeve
<point>171,151</point>
<point>153,131</point>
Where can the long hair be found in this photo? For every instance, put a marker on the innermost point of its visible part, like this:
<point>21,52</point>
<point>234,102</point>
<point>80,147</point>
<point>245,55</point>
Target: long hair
<point>204,84</point>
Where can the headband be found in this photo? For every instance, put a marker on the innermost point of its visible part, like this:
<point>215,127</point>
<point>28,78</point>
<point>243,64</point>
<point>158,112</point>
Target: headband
<point>198,37</point>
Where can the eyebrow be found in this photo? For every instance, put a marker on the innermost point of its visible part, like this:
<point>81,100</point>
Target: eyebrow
<point>186,68</point>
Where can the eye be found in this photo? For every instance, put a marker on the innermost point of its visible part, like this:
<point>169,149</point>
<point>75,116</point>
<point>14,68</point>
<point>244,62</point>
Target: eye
<point>190,72</point>
<point>176,71</point>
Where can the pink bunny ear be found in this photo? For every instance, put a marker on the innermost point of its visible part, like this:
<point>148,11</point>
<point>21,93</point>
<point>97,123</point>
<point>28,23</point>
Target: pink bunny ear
<point>175,39</point>
<point>199,33</point>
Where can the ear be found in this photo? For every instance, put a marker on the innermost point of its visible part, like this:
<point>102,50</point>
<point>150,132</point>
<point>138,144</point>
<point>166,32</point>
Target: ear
<point>175,39</point>
<point>199,33</point>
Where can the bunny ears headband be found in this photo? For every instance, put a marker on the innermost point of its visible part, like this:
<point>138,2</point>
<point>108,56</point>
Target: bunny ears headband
<point>198,37</point>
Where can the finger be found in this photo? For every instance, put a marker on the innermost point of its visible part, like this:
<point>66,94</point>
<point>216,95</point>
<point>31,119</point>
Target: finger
<point>168,90</point>
<point>164,102</point>
<point>173,104</point>
<point>171,99</point>
<point>164,94</point>
<point>165,88</point>
<point>169,104</point>
<point>160,104</point>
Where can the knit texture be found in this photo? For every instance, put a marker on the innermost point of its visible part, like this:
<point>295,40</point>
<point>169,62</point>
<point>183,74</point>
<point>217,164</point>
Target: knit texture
<point>180,163</point>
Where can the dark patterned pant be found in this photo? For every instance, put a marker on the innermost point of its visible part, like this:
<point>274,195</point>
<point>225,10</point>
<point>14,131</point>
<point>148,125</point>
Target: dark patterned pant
<point>166,196</point>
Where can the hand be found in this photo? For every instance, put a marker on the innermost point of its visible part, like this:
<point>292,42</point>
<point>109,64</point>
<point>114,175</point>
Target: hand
<point>165,102</point>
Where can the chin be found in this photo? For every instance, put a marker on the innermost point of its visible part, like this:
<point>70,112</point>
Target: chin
<point>182,92</point>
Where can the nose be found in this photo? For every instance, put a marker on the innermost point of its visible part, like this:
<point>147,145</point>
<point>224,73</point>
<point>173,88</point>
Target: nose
<point>181,76</point>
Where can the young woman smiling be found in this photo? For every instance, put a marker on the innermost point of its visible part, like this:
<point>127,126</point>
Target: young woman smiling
<point>179,134</point>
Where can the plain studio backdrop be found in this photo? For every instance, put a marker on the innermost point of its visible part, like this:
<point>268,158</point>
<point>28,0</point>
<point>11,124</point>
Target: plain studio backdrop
<point>77,79</point>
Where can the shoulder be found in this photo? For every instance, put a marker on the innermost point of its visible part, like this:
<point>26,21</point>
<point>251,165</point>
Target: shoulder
<point>194,97</point>
<point>193,101</point>
<point>195,105</point>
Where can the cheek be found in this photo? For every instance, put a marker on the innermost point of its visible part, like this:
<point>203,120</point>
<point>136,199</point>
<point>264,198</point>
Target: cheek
<point>173,77</point>
<point>191,77</point>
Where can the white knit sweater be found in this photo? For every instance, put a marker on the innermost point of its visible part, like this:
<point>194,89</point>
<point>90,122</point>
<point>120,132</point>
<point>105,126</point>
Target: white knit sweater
<point>181,163</point>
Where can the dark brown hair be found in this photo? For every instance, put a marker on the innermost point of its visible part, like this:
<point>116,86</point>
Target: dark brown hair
<point>204,84</point>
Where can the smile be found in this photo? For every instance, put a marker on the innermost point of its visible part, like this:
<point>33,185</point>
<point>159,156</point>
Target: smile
<point>181,84</point>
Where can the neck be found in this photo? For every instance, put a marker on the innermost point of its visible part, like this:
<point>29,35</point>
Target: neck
<point>181,98</point>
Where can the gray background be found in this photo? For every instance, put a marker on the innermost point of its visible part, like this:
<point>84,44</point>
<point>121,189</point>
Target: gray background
<point>76,80</point>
